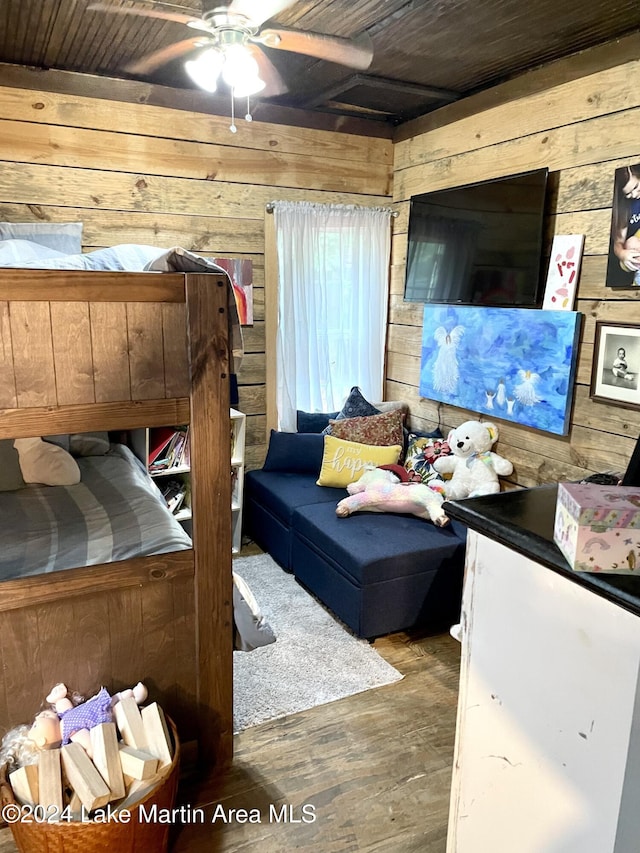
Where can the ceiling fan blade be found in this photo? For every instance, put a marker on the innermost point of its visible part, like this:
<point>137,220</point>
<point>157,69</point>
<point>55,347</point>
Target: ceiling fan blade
<point>190,20</point>
<point>268,72</point>
<point>160,57</point>
<point>354,53</point>
<point>259,11</point>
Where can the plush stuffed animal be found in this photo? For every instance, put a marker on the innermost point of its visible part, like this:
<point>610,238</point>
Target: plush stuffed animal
<point>473,465</point>
<point>67,717</point>
<point>380,490</point>
<point>65,722</point>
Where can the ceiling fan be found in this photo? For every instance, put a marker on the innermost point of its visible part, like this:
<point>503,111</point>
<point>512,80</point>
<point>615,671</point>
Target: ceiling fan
<point>230,43</point>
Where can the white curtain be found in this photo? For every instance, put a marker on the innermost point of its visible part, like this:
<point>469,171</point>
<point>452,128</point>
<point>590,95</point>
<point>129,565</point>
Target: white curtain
<point>333,280</point>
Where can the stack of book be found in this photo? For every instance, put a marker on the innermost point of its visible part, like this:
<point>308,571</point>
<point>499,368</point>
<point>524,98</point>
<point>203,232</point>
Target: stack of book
<point>174,492</point>
<point>168,448</point>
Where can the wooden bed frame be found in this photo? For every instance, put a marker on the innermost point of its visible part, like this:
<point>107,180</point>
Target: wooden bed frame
<point>82,351</point>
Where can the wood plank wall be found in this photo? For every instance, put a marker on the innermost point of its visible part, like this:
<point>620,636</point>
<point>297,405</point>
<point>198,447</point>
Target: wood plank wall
<point>78,353</point>
<point>136,173</point>
<point>582,129</point>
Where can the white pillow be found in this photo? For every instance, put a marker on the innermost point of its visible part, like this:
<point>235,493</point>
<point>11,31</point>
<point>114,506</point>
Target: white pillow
<point>48,464</point>
<point>65,237</point>
<point>16,252</point>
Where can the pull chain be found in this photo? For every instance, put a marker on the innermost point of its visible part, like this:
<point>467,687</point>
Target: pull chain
<point>232,126</point>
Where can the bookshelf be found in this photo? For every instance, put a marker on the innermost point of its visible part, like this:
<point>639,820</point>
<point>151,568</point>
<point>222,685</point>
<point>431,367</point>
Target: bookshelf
<point>238,421</point>
<point>165,452</point>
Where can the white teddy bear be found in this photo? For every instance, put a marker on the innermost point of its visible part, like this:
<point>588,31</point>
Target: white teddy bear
<point>473,465</point>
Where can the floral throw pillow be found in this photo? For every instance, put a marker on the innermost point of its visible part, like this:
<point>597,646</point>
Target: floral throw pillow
<point>355,406</point>
<point>422,453</point>
<point>381,430</point>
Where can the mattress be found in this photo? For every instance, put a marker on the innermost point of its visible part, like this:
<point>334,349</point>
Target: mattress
<point>115,512</point>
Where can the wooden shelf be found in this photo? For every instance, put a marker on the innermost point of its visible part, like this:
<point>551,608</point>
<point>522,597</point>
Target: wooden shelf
<point>140,443</point>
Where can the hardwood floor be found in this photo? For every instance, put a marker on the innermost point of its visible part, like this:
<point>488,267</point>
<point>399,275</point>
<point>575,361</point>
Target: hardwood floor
<point>372,769</point>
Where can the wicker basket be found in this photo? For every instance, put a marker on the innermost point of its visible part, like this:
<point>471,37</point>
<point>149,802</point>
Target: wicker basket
<point>92,837</point>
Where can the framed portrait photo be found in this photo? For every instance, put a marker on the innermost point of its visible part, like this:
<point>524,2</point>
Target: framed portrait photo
<point>615,376</point>
<point>623,261</point>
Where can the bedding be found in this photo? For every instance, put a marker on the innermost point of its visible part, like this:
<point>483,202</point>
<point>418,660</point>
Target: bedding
<point>115,512</point>
<point>126,257</point>
<point>62,237</point>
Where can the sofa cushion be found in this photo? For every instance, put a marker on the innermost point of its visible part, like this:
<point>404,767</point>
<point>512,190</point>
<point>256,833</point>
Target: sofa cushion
<point>372,549</point>
<point>344,462</point>
<point>297,453</point>
<point>283,492</point>
<point>428,599</point>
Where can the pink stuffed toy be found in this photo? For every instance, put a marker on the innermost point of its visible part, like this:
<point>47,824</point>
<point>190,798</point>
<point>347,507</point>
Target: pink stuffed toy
<point>380,490</point>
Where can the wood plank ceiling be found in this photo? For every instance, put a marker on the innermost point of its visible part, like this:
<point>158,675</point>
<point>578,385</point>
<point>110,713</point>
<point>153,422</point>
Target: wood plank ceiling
<point>426,52</point>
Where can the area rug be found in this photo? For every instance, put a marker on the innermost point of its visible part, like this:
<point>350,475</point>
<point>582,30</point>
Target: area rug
<point>314,660</point>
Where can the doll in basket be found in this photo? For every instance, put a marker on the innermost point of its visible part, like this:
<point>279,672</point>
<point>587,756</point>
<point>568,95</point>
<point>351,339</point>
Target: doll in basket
<point>67,718</point>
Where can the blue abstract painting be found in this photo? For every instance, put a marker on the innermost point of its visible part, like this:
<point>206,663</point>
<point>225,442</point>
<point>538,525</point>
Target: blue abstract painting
<point>517,364</point>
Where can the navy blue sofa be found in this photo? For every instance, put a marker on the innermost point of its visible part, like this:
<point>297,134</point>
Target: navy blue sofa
<point>377,572</point>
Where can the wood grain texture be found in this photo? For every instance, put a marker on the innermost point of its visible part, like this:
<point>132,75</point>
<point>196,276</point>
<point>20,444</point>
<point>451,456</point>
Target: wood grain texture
<point>203,233</point>
<point>576,100</point>
<point>90,286</point>
<point>115,624</point>
<point>375,766</point>
<point>583,139</point>
<point>158,642</point>
<point>145,349</point>
<point>110,352</point>
<point>55,108</point>
<point>184,100</point>
<point>8,396</point>
<point>72,357</point>
<point>155,194</point>
<point>184,630</point>
<point>176,177</point>
<point>127,647</point>
<point>175,356</point>
<point>22,676</point>
<point>211,501</point>
<point>33,354</point>
<point>41,589</point>
<point>129,152</point>
<point>20,423</point>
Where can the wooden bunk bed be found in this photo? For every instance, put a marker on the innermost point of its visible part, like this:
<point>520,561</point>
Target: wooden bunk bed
<point>83,351</point>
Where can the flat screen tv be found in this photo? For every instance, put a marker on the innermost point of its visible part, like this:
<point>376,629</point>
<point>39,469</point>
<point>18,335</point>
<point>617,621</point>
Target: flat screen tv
<point>479,244</point>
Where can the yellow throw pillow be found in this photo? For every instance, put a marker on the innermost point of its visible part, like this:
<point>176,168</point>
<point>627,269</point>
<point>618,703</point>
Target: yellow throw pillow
<point>344,462</point>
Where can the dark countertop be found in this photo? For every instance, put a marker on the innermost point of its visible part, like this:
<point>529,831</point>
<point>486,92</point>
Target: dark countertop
<point>523,520</point>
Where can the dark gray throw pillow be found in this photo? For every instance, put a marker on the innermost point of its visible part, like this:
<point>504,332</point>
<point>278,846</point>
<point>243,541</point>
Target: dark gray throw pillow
<point>313,421</point>
<point>10,474</point>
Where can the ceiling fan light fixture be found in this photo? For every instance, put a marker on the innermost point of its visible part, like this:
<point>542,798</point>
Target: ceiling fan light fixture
<point>205,69</point>
<point>241,70</point>
<point>248,86</point>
